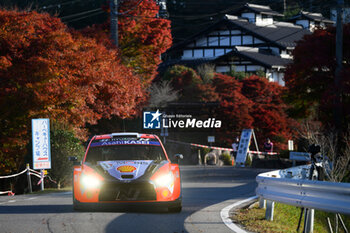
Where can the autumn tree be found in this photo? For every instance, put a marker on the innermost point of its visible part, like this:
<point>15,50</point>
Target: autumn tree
<point>190,85</point>
<point>234,109</point>
<point>310,77</point>
<point>143,37</point>
<point>47,71</point>
<point>268,111</point>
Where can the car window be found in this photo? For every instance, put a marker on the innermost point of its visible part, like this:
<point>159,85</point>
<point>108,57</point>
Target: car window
<point>125,152</point>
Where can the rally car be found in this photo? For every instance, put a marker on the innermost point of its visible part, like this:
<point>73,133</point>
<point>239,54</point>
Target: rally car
<point>126,169</point>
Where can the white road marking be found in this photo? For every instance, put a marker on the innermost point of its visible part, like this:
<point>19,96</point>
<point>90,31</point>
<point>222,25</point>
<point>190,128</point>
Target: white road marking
<point>32,198</point>
<point>225,216</point>
<point>12,201</point>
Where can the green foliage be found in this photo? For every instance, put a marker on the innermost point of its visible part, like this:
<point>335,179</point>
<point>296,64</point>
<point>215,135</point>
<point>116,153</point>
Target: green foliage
<point>206,72</point>
<point>226,158</point>
<point>239,75</point>
<point>248,161</point>
<point>292,10</point>
<point>285,220</point>
<point>261,73</point>
<point>205,151</point>
<point>63,145</point>
<point>190,85</point>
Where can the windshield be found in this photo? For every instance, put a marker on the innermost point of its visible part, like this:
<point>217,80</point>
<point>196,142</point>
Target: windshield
<point>125,152</point>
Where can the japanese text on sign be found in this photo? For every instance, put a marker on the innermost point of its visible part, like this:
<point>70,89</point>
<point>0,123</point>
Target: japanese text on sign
<point>41,143</point>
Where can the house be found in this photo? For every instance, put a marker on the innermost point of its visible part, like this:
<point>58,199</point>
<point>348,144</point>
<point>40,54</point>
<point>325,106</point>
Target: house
<point>251,40</point>
<point>258,14</point>
<point>311,21</point>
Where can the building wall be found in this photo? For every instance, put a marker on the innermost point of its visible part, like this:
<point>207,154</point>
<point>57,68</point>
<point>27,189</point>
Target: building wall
<point>303,22</point>
<point>250,16</point>
<point>218,43</point>
<point>263,20</point>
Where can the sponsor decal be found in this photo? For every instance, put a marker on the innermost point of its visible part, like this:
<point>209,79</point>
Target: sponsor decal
<point>127,142</point>
<point>117,168</point>
<point>126,168</point>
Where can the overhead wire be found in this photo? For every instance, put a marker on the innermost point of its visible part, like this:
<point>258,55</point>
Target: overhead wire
<point>81,13</point>
<point>83,17</point>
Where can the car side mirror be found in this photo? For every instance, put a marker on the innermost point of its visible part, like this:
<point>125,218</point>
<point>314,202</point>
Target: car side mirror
<point>177,157</point>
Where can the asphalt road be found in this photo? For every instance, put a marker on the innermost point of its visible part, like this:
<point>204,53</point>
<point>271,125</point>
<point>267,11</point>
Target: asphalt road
<point>206,190</point>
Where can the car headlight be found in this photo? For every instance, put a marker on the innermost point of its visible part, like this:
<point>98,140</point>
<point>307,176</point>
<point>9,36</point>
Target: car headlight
<point>90,182</point>
<point>164,180</point>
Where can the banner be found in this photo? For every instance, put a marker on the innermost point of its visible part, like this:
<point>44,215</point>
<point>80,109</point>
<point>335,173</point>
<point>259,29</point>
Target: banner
<point>41,143</point>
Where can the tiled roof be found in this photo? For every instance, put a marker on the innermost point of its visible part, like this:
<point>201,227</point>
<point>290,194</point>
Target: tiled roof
<point>281,33</point>
<point>318,17</point>
<point>265,10</point>
<point>265,59</point>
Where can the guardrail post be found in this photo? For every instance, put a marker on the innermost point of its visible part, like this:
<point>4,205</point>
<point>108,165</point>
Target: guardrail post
<point>29,180</point>
<point>309,221</point>
<point>262,203</point>
<point>269,210</point>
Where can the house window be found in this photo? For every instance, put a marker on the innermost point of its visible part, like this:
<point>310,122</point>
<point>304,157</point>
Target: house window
<point>235,40</point>
<point>224,41</point>
<point>247,40</point>
<point>213,41</point>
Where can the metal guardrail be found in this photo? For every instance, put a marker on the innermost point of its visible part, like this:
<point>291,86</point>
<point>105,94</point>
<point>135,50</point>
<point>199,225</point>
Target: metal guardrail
<point>291,187</point>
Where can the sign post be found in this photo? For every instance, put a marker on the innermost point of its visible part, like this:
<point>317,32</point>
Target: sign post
<point>211,139</point>
<point>41,146</point>
<point>243,147</point>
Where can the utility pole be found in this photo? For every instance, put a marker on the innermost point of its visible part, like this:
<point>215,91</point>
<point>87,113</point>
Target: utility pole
<point>339,59</point>
<point>114,21</point>
<point>284,6</point>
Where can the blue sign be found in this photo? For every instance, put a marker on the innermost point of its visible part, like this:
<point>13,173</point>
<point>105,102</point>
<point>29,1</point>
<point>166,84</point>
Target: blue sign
<point>41,143</point>
<point>152,120</point>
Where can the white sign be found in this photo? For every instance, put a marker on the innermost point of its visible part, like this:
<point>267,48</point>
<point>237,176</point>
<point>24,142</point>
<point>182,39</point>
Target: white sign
<point>290,145</point>
<point>41,143</point>
<point>211,138</point>
<point>243,146</point>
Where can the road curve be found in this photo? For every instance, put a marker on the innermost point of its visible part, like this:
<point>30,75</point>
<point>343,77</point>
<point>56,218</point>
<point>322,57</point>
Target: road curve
<point>206,191</point>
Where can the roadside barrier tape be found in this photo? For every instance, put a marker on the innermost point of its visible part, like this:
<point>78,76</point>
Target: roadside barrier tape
<point>51,179</point>
<point>222,148</point>
<point>211,147</point>
<point>6,192</point>
<point>39,176</point>
<point>262,153</point>
<point>34,171</point>
<point>10,176</point>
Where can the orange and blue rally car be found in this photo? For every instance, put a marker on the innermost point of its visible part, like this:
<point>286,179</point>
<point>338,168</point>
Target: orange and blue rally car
<point>126,169</point>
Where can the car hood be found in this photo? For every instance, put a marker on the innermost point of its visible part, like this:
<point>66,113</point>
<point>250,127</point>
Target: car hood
<point>127,170</point>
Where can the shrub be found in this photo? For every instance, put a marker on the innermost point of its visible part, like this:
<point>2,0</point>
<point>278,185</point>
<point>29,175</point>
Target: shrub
<point>63,145</point>
<point>226,158</point>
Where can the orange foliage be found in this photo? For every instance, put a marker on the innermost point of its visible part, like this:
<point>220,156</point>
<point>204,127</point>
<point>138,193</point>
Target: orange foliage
<point>47,71</point>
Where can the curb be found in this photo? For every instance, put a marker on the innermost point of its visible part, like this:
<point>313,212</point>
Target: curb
<point>225,215</point>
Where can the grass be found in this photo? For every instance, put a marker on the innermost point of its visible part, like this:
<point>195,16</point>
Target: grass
<point>285,220</point>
